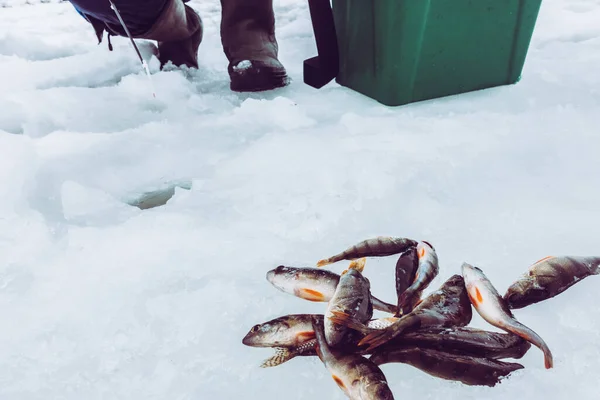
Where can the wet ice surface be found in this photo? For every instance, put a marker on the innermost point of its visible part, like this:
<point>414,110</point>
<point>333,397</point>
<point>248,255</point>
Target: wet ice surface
<point>100,299</point>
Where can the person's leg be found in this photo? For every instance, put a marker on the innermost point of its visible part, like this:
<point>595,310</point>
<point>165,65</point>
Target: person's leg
<point>175,26</point>
<point>248,38</point>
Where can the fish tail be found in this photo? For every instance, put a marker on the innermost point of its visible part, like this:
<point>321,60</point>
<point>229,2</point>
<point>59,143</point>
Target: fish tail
<point>324,262</point>
<point>358,265</point>
<point>381,336</point>
<point>528,334</point>
<point>349,254</point>
<point>346,320</point>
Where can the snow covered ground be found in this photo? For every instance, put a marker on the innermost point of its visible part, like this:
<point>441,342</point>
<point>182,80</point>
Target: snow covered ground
<point>101,300</point>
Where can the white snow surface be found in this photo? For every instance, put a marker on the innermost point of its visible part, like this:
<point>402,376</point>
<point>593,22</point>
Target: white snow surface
<point>101,300</point>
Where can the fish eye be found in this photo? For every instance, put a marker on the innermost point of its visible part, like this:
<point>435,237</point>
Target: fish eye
<point>255,328</point>
<point>280,269</point>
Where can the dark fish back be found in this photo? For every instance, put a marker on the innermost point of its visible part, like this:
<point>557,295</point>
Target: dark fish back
<point>377,247</point>
<point>353,297</point>
<point>465,341</point>
<point>468,370</point>
<point>450,304</point>
<point>406,269</point>
<point>549,278</point>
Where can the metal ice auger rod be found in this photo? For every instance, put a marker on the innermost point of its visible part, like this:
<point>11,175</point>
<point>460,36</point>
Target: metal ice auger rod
<point>144,63</point>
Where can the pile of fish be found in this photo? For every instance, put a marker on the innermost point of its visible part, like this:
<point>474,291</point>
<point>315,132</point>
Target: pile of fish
<point>429,333</point>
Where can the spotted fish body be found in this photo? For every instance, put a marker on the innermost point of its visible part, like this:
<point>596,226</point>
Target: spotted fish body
<point>475,371</point>
<point>465,341</point>
<point>287,331</point>
<point>291,336</point>
<point>449,306</point>
<point>314,284</point>
<point>357,377</point>
<point>406,270</point>
<point>488,303</point>
<point>428,269</point>
<point>380,246</point>
<point>311,284</point>
<point>550,277</point>
<point>352,296</point>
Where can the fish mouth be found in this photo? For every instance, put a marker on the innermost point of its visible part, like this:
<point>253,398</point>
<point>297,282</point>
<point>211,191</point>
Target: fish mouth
<point>248,340</point>
<point>254,341</point>
<point>470,272</point>
<point>428,244</point>
<point>513,298</point>
<point>271,276</point>
<point>522,294</point>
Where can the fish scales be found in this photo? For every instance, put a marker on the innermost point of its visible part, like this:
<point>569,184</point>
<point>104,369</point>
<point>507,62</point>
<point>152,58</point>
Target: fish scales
<point>463,341</point>
<point>492,308</point>
<point>314,284</point>
<point>475,371</point>
<point>356,376</point>
<point>448,306</point>
<point>352,297</point>
<point>381,246</point>
<point>548,278</point>
<point>427,269</point>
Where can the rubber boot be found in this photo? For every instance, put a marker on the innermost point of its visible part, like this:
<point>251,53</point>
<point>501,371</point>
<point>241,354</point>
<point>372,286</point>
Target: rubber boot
<point>178,31</point>
<point>248,38</point>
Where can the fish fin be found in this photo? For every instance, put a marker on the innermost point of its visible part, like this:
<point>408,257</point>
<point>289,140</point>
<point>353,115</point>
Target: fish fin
<point>475,296</point>
<point>281,356</point>
<point>310,295</point>
<point>305,336</point>
<point>543,259</point>
<point>478,295</point>
<point>358,265</point>
<point>341,318</point>
<point>324,262</point>
<point>376,339</point>
<point>340,383</point>
<point>382,336</point>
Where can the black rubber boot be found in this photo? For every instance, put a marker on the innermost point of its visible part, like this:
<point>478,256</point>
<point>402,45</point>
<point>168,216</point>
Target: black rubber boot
<point>248,38</point>
<point>178,31</point>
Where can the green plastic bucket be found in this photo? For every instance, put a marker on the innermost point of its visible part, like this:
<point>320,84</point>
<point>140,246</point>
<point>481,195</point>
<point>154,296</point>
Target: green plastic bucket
<point>402,51</point>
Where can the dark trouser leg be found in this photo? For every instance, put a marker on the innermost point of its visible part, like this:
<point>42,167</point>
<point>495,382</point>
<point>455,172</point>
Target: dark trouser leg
<point>175,26</point>
<point>138,15</point>
<point>248,38</point>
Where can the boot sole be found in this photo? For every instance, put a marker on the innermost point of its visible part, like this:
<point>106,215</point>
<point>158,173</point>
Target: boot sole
<point>259,82</point>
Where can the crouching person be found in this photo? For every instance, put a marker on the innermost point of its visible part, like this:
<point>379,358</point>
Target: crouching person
<point>247,35</point>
